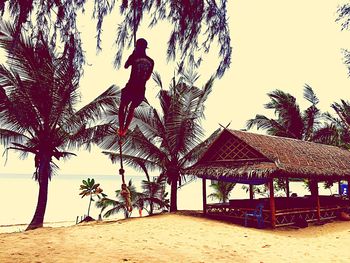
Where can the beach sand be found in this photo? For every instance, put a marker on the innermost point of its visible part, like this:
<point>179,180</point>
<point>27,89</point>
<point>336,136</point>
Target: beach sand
<point>177,238</point>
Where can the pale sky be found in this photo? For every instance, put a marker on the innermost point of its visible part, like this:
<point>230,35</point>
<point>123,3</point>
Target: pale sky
<point>277,44</point>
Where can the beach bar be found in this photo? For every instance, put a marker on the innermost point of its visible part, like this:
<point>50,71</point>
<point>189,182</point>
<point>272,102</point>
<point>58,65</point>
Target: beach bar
<point>255,159</point>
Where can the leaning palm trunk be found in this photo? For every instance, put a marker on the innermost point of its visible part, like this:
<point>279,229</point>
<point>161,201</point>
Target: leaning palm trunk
<point>43,174</point>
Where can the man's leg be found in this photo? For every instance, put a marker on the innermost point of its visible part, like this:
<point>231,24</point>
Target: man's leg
<point>121,116</point>
<point>125,100</point>
<point>129,117</point>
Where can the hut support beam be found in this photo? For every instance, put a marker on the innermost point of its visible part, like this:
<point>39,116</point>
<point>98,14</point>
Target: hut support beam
<point>339,187</point>
<point>287,187</point>
<point>272,204</point>
<point>314,192</point>
<point>251,192</point>
<point>204,190</point>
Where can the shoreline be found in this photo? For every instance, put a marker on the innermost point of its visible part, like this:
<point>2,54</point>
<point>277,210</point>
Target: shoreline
<point>20,227</point>
<point>14,228</point>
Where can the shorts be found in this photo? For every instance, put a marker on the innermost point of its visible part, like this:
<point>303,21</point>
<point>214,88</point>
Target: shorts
<point>133,94</point>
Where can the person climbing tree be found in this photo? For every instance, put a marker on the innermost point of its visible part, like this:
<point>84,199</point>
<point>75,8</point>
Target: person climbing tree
<point>125,193</point>
<point>134,92</point>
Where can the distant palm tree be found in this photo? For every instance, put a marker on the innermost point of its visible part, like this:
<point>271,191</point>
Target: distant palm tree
<point>119,205</point>
<point>169,140</point>
<point>38,94</point>
<point>222,190</point>
<point>290,121</point>
<point>154,194</point>
<point>90,188</point>
<point>337,130</point>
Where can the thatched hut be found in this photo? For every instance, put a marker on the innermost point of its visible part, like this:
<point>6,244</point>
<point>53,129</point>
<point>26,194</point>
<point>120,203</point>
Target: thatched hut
<point>244,157</point>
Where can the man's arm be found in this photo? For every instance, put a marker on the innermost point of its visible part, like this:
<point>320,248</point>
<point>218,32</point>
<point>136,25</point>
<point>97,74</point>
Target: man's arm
<point>150,74</point>
<point>129,61</point>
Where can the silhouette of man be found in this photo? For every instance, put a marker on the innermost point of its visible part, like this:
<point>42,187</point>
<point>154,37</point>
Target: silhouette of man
<point>134,92</point>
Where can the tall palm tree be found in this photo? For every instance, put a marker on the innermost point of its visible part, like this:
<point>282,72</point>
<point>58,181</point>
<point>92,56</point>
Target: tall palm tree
<point>222,190</point>
<point>291,121</point>
<point>169,140</point>
<point>38,93</point>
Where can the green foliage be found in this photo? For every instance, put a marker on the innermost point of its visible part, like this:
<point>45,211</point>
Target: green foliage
<point>153,195</point>
<point>279,186</point>
<point>290,121</point>
<point>118,205</point>
<point>222,190</point>
<point>38,96</point>
<point>337,131</point>
<point>170,139</point>
<point>309,125</point>
<point>328,185</point>
<point>195,25</point>
<point>90,188</point>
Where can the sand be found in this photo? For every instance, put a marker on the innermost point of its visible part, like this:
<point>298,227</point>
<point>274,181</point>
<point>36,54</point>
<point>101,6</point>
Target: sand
<point>177,238</point>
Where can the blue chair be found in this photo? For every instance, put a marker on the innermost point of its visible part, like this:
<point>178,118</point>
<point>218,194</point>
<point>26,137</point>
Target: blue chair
<point>257,213</point>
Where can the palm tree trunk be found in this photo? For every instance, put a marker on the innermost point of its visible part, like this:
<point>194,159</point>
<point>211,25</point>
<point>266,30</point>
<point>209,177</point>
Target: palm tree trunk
<point>151,208</point>
<point>44,172</point>
<point>88,213</point>
<point>173,195</point>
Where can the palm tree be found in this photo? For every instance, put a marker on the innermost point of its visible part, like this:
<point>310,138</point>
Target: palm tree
<point>154,193</point>
<point>169,140</point>
<point>38,93</point>
<point>279,188</point>
<point>119,204</point>
<point>293,123</point>
<point>337,130</point>
<point>90,188</point>
<point>290,121</point>
<point>222,190</point>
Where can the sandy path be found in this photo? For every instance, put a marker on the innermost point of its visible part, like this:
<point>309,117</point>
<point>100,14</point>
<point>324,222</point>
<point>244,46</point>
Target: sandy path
<point>177,238</point>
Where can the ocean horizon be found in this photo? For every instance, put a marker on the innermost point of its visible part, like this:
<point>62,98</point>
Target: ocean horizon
<point>20,192</point>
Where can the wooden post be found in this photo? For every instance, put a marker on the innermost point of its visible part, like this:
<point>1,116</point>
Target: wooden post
<point>272,204</point>
<point>314,185</point>
<point>251,192</point>
<point>339,187</point>
<point>204,190</point>
<point>287,187</point>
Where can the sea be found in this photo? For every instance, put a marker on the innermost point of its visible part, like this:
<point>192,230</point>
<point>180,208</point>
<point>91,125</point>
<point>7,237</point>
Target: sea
<point>19,193</point>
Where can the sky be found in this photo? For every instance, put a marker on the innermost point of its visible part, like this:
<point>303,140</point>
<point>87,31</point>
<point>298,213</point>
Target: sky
<point>277,44</point>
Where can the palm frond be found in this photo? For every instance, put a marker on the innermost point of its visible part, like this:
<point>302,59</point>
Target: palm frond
<point>157,79</point>
<point>95,109</point>
<point>310,95</point>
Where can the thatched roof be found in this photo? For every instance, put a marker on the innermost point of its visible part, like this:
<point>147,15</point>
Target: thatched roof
<point>238,154</point>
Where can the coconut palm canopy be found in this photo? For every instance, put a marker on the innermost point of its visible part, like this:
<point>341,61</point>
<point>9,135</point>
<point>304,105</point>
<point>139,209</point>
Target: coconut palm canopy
<point>247,157</point>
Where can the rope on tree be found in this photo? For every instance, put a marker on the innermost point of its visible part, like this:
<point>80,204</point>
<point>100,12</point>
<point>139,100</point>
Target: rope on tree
<point>125,192</point>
